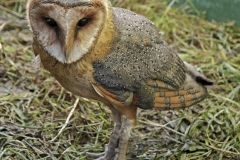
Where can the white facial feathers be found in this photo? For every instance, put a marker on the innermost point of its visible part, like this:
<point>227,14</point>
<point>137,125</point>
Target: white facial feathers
<point>66,33</point>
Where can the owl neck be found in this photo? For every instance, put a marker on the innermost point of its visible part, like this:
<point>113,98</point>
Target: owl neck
<point>105,40</point>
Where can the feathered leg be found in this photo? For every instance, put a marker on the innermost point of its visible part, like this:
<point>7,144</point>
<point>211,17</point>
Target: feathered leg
<point>126,129</point>
<point>110,148</point>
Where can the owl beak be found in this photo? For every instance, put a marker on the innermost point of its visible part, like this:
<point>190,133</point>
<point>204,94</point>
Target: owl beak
<point>69,41</point>
<point>66,53</point>
<point>66,57</point>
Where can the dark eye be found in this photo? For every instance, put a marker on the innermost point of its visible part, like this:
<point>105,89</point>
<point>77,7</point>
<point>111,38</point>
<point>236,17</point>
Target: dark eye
<point>51,22</point>
<point>83,22</point>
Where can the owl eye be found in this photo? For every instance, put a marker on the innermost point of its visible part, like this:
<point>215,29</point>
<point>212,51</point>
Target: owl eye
<point>83,22</point>
<point>51,22</point>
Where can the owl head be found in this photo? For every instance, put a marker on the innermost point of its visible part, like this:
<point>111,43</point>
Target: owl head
<point>67,29</point>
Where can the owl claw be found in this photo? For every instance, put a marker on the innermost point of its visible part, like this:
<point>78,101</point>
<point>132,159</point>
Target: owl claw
<point>108,154</point>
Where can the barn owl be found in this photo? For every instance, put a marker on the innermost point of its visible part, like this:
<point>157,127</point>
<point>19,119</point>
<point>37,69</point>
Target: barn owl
<point>114,56</point>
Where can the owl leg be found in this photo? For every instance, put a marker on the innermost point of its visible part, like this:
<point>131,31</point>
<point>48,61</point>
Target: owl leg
<point>126,129</point>
<point>110,151</point>
<point>117,147</point>
<point>110,148</point>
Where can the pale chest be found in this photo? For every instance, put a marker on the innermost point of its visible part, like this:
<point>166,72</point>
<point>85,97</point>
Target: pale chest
<point>76,78</point>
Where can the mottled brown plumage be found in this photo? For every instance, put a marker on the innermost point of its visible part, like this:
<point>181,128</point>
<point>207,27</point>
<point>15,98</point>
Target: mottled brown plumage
<point>115,56</point>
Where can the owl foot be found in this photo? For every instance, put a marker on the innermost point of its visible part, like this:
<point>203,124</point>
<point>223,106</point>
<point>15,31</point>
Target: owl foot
<point>110,148</point>
<point>108,154</point>
<point>117,147</point>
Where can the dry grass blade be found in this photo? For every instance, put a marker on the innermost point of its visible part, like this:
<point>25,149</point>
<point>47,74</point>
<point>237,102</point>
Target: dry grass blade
<point>11,12</point>
<point>67,120</point>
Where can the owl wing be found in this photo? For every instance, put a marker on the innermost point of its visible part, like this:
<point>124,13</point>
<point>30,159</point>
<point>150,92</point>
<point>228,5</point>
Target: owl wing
<point>139,48</point>
<point>141,69</point>
<point>161,97</point>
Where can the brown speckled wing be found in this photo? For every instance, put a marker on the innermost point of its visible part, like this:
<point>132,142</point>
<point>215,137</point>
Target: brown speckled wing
<point>189,94</point>
<point>139,53</point>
